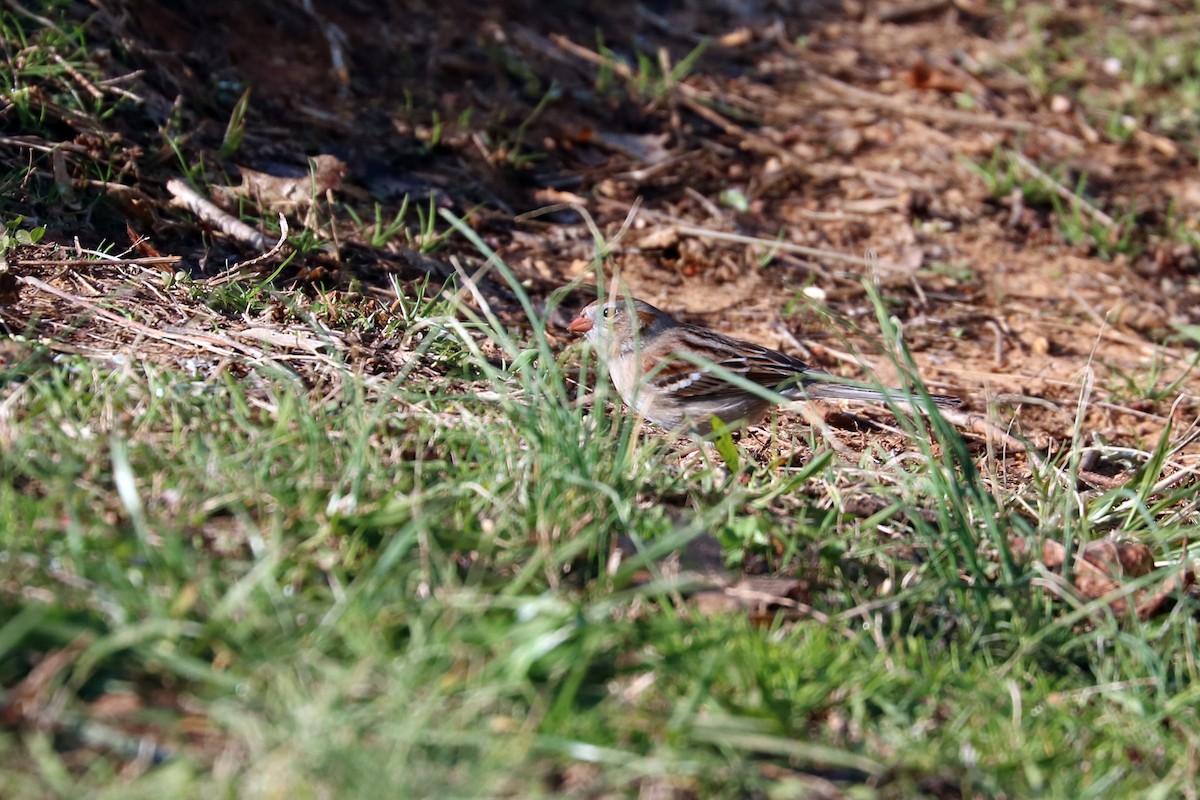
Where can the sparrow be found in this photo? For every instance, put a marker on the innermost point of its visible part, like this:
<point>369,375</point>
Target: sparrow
<point>662,368</point>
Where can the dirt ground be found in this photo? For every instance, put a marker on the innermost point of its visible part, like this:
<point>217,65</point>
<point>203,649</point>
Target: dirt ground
<point>840,127</point>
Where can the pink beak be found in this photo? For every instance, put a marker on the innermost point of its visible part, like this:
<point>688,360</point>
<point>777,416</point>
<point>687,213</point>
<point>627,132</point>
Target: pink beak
<point>580,324</point>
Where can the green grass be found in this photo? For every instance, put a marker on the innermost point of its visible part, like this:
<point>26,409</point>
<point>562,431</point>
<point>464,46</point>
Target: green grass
<point>1124,76</point>
<point>1127,80</point>
<point>1003,174</point>
<point>401,587</point>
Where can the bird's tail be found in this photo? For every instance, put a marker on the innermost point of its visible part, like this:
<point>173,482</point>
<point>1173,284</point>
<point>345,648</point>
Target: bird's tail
<point>842,391</point>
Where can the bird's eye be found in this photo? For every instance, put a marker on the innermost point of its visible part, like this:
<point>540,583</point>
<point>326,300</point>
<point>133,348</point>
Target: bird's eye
<point>609,311</point>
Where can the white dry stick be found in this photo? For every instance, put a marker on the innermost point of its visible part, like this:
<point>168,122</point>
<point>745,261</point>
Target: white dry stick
<point>336,38</point>
<point>185,196</point>
<point>1056,186</point>
<point>684,229</point>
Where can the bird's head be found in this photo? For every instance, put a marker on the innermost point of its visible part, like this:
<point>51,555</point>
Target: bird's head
<point>619,321</point>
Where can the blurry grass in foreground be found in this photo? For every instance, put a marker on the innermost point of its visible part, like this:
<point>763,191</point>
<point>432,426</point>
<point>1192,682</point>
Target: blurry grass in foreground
<point>401,588</point>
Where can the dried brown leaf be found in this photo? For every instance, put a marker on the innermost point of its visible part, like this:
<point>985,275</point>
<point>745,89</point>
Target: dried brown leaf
<point>1101,568</point>
<point>924,76</point>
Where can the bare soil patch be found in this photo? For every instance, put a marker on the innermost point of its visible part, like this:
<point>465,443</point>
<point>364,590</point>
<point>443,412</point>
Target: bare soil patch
<point>843,127</point>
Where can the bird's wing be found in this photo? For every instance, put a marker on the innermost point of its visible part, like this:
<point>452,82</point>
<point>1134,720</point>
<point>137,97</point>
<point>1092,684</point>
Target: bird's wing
<point>687,379</point>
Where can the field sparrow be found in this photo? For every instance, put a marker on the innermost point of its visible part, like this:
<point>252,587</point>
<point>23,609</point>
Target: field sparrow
<point>641,346</point>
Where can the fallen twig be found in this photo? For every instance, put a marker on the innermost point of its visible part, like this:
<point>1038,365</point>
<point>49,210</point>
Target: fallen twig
<point>148,261</point>
<point>236,271</point>
<point>79,77</point>
<point>185,196</point>
<point>336,38</point>
<point>903,13</point>
<point>863,97</point>
<point>1055,186</point>
<point>787,247</point>
<point>202,341</point>
<point>38,18</point>
<point>982,425</point>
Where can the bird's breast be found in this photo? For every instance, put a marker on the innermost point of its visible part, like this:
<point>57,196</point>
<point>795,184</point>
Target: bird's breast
<point>625,371</point>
